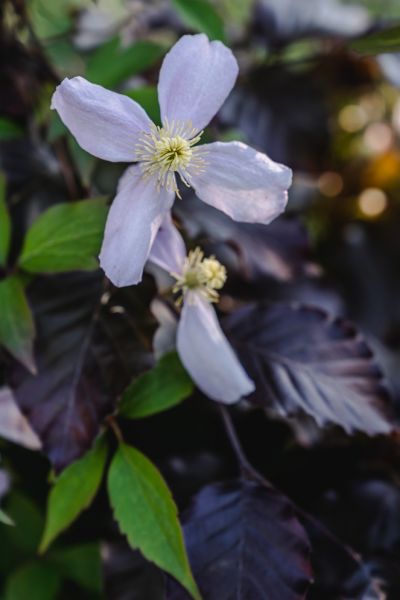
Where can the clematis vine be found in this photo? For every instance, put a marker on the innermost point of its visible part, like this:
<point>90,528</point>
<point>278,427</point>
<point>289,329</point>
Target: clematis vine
<point>203,348</point>
<point>195,78</point>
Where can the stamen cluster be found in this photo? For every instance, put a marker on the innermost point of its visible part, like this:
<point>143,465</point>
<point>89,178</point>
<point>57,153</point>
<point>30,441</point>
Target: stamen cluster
<point>205,275</point>
<point>164,151</point>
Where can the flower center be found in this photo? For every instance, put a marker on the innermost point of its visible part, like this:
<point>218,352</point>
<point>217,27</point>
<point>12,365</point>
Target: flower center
<point>206,275</point>
<point>164,151</point>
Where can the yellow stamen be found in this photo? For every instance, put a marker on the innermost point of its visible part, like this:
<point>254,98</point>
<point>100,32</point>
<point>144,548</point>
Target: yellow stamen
<point>164,151</point>
<point>206,275</point>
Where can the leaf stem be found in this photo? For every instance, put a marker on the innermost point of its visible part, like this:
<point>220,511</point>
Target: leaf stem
<point>246,468</point>
<point>115,428</point>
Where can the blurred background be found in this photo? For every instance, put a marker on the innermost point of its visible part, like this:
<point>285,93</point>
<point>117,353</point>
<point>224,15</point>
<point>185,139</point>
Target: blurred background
<point>318,90</point>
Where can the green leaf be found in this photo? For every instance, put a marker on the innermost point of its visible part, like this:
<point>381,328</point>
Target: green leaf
<point>65,237</point>
<point>387,40</point>
<point>147,515</point>
<point>73,491</point>
<point>5,223</point>
<point>166,385</point>
<point>81,564</point>
<point>111,63</point>
<point>5,519</point>
<point>147,97</point>
<point>35,581</point>
<point>201,16</point>
<point>17,329</point>
<point>9,130</point>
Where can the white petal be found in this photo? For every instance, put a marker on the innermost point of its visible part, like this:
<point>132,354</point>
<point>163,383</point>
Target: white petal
<point>195,79</point>
<point>13,425</point>
<point>243,183</point>
<point>104,123</point>
<point>168,250</point>
<point>164,339</point>
<point>132,224</point>
<point>207,355</point>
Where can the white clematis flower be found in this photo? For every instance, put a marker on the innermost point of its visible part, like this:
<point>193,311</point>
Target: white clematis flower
<point>195,78</point>
<point>203,348</point>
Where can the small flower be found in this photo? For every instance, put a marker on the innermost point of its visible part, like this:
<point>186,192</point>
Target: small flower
<point>203,348</point>
<point>195,78</point>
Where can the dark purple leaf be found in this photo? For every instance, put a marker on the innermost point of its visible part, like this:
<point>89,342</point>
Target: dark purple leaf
<point>284,114</point>
<point>129,576</point>
<point>244,542</point>
<point>304,360</point>
<point>87,350</point>
<point>253,252</point>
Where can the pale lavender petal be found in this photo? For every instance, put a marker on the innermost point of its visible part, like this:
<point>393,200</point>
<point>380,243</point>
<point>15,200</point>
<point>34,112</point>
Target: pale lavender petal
<point>164,339</point>
<point>195,78</point>
<point>132,224</point>
<point>241,182</point>
<point>168,250</point>
<point>13,424</point>
<point>104,123</point>
<point>207,355</point>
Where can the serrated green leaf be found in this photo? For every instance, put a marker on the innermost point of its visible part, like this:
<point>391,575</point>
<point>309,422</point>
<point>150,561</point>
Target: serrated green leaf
<point>147,97</point>
<point>81,564</point>
<point>147,514</point>
<point>65,237</point>
<point>5,519</point>
<point>166,385</point>
<point>9,130</point>
<point>17,328</point>
<point>73,491</point>
<point>201,16</point>
<point>35,581</point>
<point>111,63</point>
<point>387,40</point>
<point>5,223</point>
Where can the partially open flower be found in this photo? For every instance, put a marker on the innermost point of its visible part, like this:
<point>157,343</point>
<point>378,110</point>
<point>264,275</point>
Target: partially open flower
<point>195,78</point>
<point>201,344</point>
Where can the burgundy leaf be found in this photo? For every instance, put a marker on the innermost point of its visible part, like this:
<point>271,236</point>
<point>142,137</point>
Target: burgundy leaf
<point>304,360</point>
<point>87,350</point>
<point>244,542</point>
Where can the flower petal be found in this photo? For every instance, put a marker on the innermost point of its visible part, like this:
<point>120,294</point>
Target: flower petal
<point>243,183</point>
<point>104,123</point>
<point>195,78</point>
<point>132,224</point>
<point>207,355</point>
<point>168,250</point>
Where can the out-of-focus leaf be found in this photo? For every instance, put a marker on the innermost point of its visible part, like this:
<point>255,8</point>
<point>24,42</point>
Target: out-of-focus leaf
<point>166,385</point>
<point>49,19</point>
<point>65,237</point>
<point>244,542</point>
<point>5,223</point>
<point>81,564</point>
<point>283,113</point>
<point>9,129</point>
<point>147,97</point>
<point>381,42</point>
<point>88,348</point>
<point>201,16</point>
<point>85,162</point>
<point>111,63</point>
<point>25,536</point>
<point>338,571</point>
<point>73,491</point>
<point>282,21</point>
<point>129,576</point>
<point>35,581</point>
<point>13,425</point>
<point>5,519</point>
<point>303,360</point>
<point>147,515</point>
<point>17,329</point>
